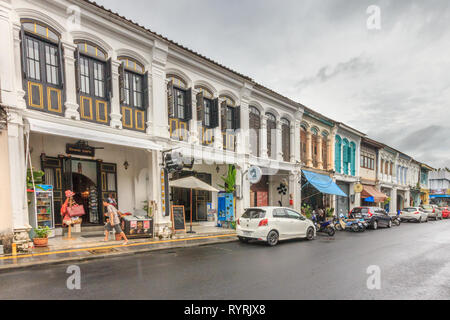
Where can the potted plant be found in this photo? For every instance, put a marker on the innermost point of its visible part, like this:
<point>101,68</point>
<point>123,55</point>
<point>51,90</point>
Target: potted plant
<point>40,238</point>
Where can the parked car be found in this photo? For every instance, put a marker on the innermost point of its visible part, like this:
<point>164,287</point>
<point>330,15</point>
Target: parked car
<point>445,212</point>
<point>374,216</point>
<point>432,210</point>
<point>272,224</point>
<point>413,214</point>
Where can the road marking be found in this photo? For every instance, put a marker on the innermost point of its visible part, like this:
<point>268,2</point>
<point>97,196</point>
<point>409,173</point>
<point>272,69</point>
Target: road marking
<point>114,246</point>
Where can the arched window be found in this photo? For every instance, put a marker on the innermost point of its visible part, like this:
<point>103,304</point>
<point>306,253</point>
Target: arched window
<point>271,135</point>
<point>230,118</point>
<point>303,143</point>
<point>325,150</point>
<point>337,154</point>
<point>286,139</point>
<point>207,108</point>
<point>315,145</point>
<point>255,126</point>
<point>179,105</point>
<point>42,66</point>
<point>133,82</point>
<point>346,155</point>
<point>94,82</point>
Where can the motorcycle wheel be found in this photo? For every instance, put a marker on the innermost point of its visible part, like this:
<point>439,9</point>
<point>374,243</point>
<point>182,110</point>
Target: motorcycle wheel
<point>331,231</point>
<point>355,228</point>
<point>338,227</point>
<point>397,222</point>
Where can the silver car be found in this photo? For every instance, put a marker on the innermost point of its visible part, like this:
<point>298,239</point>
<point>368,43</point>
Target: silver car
<point>432,210</point>
<point>413,214</point>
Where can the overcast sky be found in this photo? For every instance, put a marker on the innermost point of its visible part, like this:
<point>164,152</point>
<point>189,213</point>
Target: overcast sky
<point>392,83</point>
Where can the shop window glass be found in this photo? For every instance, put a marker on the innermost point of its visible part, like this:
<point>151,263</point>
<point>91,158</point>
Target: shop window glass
<point>111,177</point>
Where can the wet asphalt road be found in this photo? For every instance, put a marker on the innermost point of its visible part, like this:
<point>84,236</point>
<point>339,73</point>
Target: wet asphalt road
<point>414,260</point>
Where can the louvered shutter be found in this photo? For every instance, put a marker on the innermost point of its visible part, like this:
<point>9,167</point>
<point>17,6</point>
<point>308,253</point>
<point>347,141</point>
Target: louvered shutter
<point>108,77</point>
<point>77,70</point>
<point>61,63</point>
<point>223,116</point>
<point>170,100</point>
<point>337,156</point>
<point>188,106</point>
<point>200,108</point>
<point>122,83</point>
<point>145,91</point>
<point>24,53</point>
<point>237,118</point>
<point>215,114</point>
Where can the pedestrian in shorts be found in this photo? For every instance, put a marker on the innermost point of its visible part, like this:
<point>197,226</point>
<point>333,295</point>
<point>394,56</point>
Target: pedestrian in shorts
<point>114,222</point>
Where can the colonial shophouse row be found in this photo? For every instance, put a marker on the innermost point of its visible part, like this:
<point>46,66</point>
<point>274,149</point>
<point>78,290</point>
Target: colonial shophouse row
<point>131,93</point>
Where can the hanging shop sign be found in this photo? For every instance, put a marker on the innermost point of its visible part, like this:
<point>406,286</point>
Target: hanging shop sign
<point>165,193</point>
<point>254,174</point>
<point>81,148</point>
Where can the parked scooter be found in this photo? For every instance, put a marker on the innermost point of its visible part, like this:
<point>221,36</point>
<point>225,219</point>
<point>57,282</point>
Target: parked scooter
<point>324,227</point>
<point>355,225</point>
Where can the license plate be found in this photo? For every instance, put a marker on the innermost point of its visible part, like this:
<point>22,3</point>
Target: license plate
<point>247,233</point>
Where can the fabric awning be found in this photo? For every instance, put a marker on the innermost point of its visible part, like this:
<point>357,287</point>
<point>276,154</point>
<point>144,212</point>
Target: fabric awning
<point>373,194</point>
<point>90,135</point>
<point>323,183</point>
<point>192,183</point>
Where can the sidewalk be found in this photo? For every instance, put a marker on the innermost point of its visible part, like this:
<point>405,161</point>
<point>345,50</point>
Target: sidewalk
<point>80,249</point>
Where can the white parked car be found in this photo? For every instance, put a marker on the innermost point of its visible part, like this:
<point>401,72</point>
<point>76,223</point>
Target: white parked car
<point>271,224</point>
<point>413,214</point>
<point>432,210</point>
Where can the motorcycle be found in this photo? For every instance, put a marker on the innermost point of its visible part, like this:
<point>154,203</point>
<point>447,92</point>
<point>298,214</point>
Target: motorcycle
<point>396,220</point>
<point>324,227</point>
<point>355,225</point>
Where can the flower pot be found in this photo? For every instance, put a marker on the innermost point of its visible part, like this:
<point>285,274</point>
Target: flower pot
<point>40,242</point>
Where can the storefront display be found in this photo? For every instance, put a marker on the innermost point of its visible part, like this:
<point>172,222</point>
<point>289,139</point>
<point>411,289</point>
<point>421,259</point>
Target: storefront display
<point>41,207</point>
<point>134,226</point>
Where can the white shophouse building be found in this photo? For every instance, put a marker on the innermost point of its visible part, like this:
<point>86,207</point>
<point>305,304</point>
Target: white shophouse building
<point>110,84</point>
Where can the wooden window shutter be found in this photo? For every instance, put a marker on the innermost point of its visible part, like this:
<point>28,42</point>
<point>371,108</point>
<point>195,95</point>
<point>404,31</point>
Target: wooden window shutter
<point>145,92</point>
<point>77,70</point>
<point>223,115</point>
<point>122,82</point>
<point>170,100</point>
<point>61,63</point>
<point>188,106</point>
<point>108,76</point>
<point>215,113</point>
<point>237,118</point>
<point>200,108</point>
<point>24,53</point>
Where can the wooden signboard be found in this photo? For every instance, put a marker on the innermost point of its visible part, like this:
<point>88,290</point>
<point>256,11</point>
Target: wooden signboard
<point>178,218</point>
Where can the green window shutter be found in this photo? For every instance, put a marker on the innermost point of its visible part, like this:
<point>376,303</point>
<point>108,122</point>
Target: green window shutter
<point>337,156</point>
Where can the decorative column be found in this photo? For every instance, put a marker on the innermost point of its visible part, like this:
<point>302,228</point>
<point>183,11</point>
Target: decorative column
<point>309,161</point>
<point>17,167</point>
<point>296,143</point>
<point>329,154</point>
<point>319,152</point>
<point>116,114</point>
<point>150,121</point>
<point>160,114</point>
<point>71,104</point>
<point>293,142</point>
<point>295,189</point>
<point>393,203</point>
<point>14,64</point>
<point>279,142</point>
<point>263,137</point>
<point>218,140</point>
<point>194,137</point>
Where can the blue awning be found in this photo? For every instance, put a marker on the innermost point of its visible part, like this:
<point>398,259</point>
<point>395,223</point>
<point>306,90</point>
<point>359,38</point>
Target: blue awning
<point>323,183</point>
<point>433,196</point>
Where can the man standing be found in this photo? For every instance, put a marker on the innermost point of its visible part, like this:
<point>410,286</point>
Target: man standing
<point>113,222</point>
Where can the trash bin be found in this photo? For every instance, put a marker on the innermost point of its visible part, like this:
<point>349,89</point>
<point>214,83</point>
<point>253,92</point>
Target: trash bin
<point>137,226</point>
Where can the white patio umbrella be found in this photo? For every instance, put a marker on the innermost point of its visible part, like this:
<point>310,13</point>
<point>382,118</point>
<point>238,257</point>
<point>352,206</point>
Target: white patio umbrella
<point>192,183</point>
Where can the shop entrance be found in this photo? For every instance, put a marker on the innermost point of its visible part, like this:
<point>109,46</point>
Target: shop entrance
<point>343,203</point>
<point>92,181</point>
<point>200,199</point>
<point>259,193</point>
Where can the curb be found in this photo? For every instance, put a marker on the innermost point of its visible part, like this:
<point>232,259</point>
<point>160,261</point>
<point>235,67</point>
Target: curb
<point>10,268</point>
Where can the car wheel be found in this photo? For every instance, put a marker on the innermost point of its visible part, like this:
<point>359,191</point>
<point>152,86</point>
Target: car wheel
<point>375,225</point>
<point>272,238</point>
<point>389,224</point>
<point>243,240</point>
<point>310,234</point>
